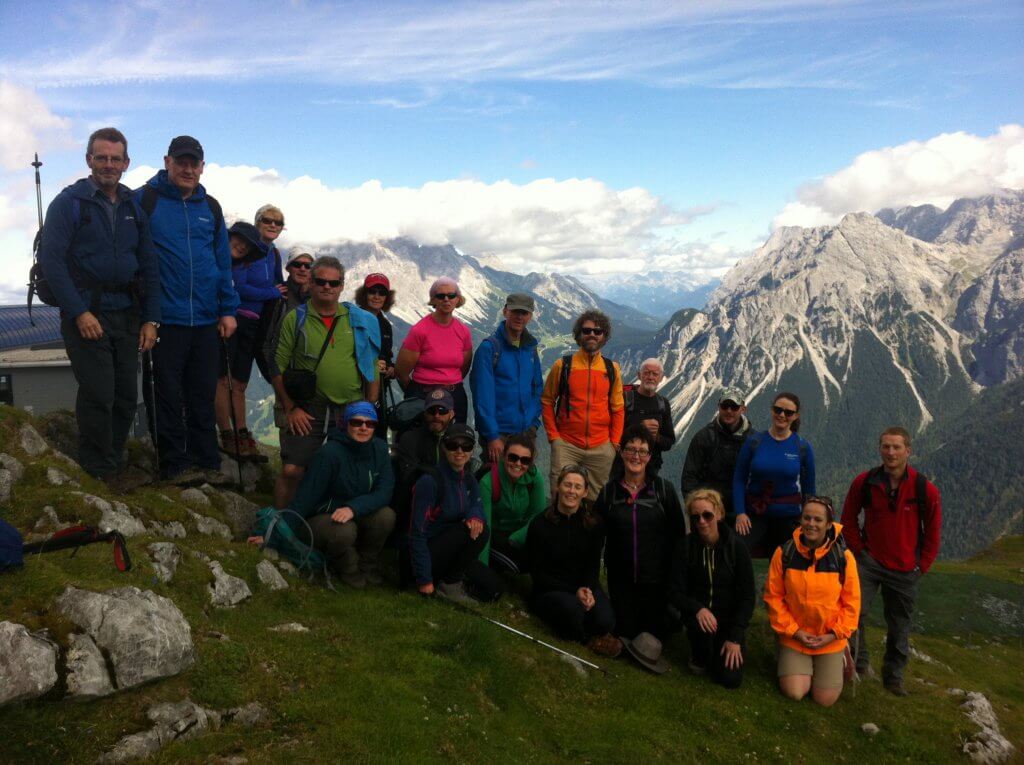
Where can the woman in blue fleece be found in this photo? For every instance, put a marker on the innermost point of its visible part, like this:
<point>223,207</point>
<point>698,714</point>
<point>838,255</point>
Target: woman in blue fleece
<point>774,472</point>
<point>257,278</point>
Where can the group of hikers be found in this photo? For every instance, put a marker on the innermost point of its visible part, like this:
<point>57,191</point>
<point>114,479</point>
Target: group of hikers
<point>129,268</point>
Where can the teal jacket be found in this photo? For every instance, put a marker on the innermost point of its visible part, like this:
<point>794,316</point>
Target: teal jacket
<point>518,504</point>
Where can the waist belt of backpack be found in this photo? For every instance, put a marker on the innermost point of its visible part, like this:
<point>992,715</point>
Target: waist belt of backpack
<point>759,504</point>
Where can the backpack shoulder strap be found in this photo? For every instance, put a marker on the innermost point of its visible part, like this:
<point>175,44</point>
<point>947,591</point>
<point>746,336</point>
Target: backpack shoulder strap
<point>495,351</point>
<point>628,400</point>
<point>838,549</point>
<point>216,211</point>
<point>495,484</point>
<point>788,551</point>
<point>563,385</point>
<point>149,199</point>
<point>609,369</point>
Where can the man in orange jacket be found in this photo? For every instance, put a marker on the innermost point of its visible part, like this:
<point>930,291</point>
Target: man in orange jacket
<point>582,404</point>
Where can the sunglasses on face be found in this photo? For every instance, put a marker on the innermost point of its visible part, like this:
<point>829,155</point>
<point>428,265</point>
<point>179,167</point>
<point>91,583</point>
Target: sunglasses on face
<point>326,282</point>
<point>438,411</point>
<point>381,291</point>
<point>597,331</point>
<point>458,445</point>
<point>271,221</point>
<point>300,264</point>
<point>357,423</point>
<point>729,406</point>
<point>445,295</point>
<point>515,458</point>
<point>783,412</point>
<point>707,516</point>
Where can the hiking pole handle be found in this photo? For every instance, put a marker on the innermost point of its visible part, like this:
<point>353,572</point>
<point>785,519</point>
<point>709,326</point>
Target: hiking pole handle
<point>39,190</point>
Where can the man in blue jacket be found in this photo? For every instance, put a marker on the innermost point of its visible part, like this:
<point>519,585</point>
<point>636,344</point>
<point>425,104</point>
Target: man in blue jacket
<point>506,379</point>
<point>198,303</point>
<point>96,249</point>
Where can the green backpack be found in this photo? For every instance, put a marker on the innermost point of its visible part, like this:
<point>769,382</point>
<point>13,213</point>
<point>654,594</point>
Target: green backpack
<point>278,535</point>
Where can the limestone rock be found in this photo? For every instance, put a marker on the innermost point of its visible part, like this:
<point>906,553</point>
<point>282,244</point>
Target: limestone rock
<point>210,526</point>
<point>289,627</point>
<point>88,677</point>
<point>172,530</point>
<point>49,520</point>
<point>9,463</point>
<point>119,519</point>
<point>166,556</point>
<point>227,590</point>
<point>145,636</point>
<point>195,497</point>
<point>6,482</point>
<point>31,442</point>
<point>247,715</point>
<point>28,664</point>
<point>287,568</point>
<point>251,472</point>
<point>270,576</point>
<point>988,745</point>
<point>870,728</point>
<point>241,514</point>
<point>57,477</point>
<point>208,490</point>
<point>173,721</point>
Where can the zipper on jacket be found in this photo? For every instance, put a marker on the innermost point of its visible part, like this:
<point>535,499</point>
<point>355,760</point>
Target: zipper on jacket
<point>191,275</point>
<point>586,418</point>
<point>636,545</point>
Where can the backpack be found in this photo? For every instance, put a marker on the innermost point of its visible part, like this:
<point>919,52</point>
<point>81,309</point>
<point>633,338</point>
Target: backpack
<point>278,535</point>
<point>629,399</point>
<point>11,556</point>
<point>562,399</point>
<point>920,497</point>
<point>836,553</point>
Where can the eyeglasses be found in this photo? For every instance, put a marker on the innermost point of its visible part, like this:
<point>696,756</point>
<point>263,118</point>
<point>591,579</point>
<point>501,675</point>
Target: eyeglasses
<point>592,331</point>
<point>515,458</point>
<point>271,221</point>
<point>326,282</point>
<point>304,265</point>
<point>783,412</point>
<point>357,423</point>
<point>104,159</point>
<point>458,445</point>
<point>634,452</point>
<point>445,295</point>
<point>729,406</point>
<point>382,291</point>
<point>707,516</point>
<point>438,411</point>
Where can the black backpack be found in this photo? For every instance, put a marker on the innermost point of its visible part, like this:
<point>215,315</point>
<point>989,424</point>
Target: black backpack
<point>629,399</point>
<point>562,399</point>
<point>835,557</point>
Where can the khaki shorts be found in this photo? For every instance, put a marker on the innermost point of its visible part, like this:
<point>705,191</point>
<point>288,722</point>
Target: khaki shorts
<point>825,669</point>
<point>299,450</point>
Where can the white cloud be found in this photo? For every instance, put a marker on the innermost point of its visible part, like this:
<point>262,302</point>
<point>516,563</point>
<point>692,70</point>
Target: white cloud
<point>936,171</point>
<point>27,126</point>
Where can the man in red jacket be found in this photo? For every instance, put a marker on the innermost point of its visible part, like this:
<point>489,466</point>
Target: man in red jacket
<point>895,544</point>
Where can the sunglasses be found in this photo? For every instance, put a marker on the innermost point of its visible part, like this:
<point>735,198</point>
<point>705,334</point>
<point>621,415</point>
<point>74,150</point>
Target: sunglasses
<point>515,458</point>
<point>782,411</point>
<point>458,445</point>
<point>355,422</point>
<point>592,331</point>
<point>382,291</point>
<point>729,406</point>
<point>707,516</point>
<point>438,411</point>
<point>826,501</point>
<point>326,282</point>
<point>445,295</point>
<point>300,264</point>
<point>271,221</point>
<point>634,452</point>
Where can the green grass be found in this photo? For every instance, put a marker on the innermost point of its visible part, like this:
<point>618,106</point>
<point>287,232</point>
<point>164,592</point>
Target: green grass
<point>387,676</point>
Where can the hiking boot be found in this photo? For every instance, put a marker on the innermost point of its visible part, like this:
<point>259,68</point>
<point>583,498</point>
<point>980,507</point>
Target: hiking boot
<point>373,576</point>
<point>895,687</point>
<point>215,477</point>
<point>354,579</point>
<point>227,442</point>
<point>605,645</point>
<point>867,672</point>
<point>126,481</point>
<point>190,476</point>
<point>455,592</point>
<point>695,668</point>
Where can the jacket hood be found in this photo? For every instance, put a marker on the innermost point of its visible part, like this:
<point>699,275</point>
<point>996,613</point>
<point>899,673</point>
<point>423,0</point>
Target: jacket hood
<point>832,536</point>
<point>162,183</point>
<point>83,188</point>
<point>257,251</point>
<point>341,437</point>
<point>740,432</point>
<point>526,341</point>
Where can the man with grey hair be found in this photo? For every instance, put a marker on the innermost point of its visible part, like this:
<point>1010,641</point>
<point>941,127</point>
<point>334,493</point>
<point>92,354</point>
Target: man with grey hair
<point>645,406</point>
<point>327,353</point>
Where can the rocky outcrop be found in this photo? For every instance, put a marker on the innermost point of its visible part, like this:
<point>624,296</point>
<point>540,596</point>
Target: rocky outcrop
<point>988,745</point>
<point>13,466</point>
<point>144,635</point>
<point>241,514</point>
<point>28,664</point>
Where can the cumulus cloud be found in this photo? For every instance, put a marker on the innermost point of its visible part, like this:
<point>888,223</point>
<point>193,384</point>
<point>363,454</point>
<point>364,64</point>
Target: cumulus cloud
<point>27,126</point>
<point>936,171</point>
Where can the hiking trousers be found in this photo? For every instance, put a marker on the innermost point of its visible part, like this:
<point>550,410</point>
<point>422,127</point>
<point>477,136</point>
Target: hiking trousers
<point>639,607</point>
<point>566,616</point>
<point>355,545</point>
<point>899,592</point>
<point>598,462</point>
<point>107,372</point>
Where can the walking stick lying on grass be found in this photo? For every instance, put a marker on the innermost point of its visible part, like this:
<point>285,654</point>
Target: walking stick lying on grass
<point>77,536</point>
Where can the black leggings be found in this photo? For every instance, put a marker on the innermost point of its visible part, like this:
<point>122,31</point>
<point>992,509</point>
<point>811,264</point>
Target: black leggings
<point>564,612</point>
<point>706,653</point>
<point>639,607</point>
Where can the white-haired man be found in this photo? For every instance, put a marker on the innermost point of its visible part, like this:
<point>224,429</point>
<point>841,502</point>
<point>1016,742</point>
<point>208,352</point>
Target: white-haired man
<point>645,406</point>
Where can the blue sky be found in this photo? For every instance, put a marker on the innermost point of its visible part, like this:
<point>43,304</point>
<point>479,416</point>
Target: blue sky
<point>693,127</point>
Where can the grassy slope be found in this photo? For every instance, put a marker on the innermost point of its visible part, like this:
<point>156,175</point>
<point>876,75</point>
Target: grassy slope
<point>386,676</point>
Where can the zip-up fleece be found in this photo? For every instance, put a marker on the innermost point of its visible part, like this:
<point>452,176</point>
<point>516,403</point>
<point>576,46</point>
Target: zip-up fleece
<point>98,252</point>
<point>506,395</point>
<point>195,260</point>
<point>256,277</point>
<point>810,597</point>
<point>345,473</point>
<point>594,417</point>
<point>518,503</point>
<point>711,459</point>
<point>563,554</point>
<point>461,502</point>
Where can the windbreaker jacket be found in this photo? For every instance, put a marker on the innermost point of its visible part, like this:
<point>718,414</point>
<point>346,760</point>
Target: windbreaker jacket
<point>807,596</point>
<point>256,278</point>
<point>900,534</point>
<point>91,250</point>
<point>506,383</point>
<point>595,415</point>
<point>345,473</point>
<point>711,459</point>
<point>461,502</point>
<point>519,502</point>
<point>195,260</point>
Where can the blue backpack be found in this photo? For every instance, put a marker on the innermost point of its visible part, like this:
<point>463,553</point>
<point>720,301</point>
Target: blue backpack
<point>278,535</point>
<point>11,556</point>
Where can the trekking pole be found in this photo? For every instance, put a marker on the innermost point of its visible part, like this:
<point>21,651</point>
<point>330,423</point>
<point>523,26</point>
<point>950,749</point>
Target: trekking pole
<point>514,631</point>
<point>151,408</point>
<point>38,240</point>
<point>39,191</point>
<point>231,413</point>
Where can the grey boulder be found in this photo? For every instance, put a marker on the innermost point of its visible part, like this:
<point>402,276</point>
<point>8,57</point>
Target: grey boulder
<point>28,664</point>
<point>32,443</point>
<point>241,514</point>
<point>195,497</point>
<point>6,482</point>
<point>88,677</point>
<point>211,527</point>
<point>11,464</point>
<point>270,576</point>
<point>166,556</point>
<point>227,590</point>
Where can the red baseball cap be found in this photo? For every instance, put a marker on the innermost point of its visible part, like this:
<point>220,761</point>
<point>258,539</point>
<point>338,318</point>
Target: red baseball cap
<point>374,280</point>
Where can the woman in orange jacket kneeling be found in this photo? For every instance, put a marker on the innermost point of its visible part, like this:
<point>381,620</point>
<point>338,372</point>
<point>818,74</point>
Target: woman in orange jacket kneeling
<point>813,598</point>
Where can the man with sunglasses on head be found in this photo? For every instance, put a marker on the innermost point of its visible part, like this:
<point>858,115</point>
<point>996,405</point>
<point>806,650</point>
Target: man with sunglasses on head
<point>338,344</point>
<point>711,456</point>
<point>198,305</point>
<point>506,379</point>
<point>582,404</point>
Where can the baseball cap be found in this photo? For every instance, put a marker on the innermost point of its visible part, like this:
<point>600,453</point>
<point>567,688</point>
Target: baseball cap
<point>519,301</point>
<point>375,280</point>
<point>459,430</point>
<point>185,146</point>
<point>732,394</point>
<point>440,397</point>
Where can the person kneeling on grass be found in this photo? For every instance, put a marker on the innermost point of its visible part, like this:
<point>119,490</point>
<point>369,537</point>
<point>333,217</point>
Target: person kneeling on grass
<point>813,598</point>
<point>563,550</point>
<point>344,498</point>
<point>447,530</point>
<point>509,508</point>
<point>713,588</point>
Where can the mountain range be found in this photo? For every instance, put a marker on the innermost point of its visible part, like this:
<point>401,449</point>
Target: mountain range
<point>661,293</point>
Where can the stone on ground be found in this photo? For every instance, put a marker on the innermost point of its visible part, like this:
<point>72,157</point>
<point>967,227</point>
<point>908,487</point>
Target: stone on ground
<point>166,556</point>
<point>211,527</point>
<point>57,477</point>
<point>270,576</point>
<point>241,514</point>
<point>227,590</point>
<point>9,463</point>
<point>28,664</point>
<point>172,530</point>
<point>6,483</point>
<point>289,627</point>
<point>195,497</point>
<point>32,443</point>
<point>88,677</point>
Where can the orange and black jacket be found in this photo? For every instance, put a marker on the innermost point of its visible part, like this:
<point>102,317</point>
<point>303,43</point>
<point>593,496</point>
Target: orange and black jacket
<point>595,413</point>
<point>809,595</point>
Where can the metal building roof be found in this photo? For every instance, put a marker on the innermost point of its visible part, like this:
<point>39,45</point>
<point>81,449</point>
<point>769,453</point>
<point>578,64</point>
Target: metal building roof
<point>17,332</point>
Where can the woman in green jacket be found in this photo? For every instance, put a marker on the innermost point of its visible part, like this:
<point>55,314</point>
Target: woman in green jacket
<point>509,508</point>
